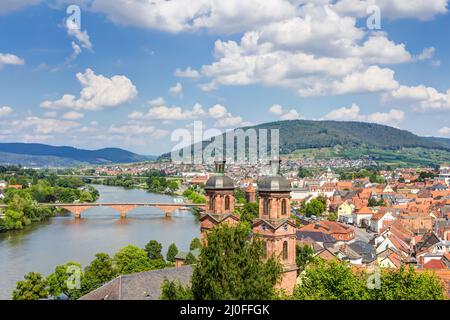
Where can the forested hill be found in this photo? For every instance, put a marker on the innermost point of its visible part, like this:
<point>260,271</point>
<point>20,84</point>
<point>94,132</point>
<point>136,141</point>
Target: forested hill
<point>349,136</point>
<point>305,134</point>
<point>34,154</point>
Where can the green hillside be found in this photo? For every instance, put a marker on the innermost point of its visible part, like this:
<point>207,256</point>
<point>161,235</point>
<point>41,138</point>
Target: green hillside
<point>354,140</point>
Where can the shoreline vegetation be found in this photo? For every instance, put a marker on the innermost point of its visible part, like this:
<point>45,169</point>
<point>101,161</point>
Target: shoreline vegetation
<point>26,188</point>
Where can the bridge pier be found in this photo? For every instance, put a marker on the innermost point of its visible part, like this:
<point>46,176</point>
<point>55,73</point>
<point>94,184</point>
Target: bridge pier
<point>76,210</point>
<point>123,209</point>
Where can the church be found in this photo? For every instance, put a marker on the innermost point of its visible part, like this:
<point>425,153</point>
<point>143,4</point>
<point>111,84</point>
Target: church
<point>274,225</point>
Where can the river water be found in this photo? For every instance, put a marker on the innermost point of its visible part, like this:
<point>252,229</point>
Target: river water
<point>42,246</point>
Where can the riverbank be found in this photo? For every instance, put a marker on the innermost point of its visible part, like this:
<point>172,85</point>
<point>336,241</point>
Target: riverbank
<point>43,245</point>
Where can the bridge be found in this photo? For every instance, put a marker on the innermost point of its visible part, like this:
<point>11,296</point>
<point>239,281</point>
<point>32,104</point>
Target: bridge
<point>123,208</point>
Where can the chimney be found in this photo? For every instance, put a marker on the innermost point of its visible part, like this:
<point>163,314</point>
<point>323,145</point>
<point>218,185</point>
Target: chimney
<point>220,166</point>
<point>275,167</point>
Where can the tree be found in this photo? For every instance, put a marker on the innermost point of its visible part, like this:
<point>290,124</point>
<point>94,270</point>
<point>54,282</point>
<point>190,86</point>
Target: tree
<point>240,196</point>
<point>376,203</point>
<point>314,207</point>
<point>132,259</point>
<point>66,280</point>
<point>232,267</point>
<point>171,290</point>
<point>171,253</point>
<point>305,255</point>
<point>100,269</point>
<point>195,244</point>
<point>34,287</point>
<point>249,212</point>
<point>332,280</point>
<point>153,249</point>
<point>332,216</point>
<point>190,259</point>
<point>304,173</point>
<point>407,284</point>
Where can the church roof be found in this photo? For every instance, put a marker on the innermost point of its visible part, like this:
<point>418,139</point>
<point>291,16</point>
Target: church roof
<point>274,183</point>
<point>219,182</point>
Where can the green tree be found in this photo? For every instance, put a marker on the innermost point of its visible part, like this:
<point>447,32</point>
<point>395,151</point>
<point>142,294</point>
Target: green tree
<point>100,269</point>
<point>332,216</point>
<point>304,173</point>
<point>172,290</point>
<point>190,259</point>
<point>195,244</point>
<point>97,273</point>
<point>66,280</point>
<point>232,267</point>
<point>153,249</point>
<point>132,259</point>
<point>34,287</point>
<point>407,284</point>
<point>240,196</point>
<point>249,212</point>
<point>314,207</point>
<point>330,281</point>
<point>305,255</point>
<point>171,253</point>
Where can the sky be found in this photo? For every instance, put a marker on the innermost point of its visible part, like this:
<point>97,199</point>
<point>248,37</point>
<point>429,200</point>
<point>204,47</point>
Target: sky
<point>130,73</point>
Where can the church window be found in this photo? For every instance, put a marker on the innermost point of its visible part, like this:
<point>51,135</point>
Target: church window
<point>285,250</point>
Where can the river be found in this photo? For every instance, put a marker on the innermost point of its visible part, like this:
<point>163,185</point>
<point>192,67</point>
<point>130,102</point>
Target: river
<point>42,246</point>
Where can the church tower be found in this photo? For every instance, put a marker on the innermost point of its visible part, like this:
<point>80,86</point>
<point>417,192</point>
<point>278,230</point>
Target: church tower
<point>274,225</point>
<point>220,201</point>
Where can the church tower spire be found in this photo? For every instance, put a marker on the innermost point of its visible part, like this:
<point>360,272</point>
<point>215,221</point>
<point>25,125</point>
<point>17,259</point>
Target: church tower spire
<point>274,225</point>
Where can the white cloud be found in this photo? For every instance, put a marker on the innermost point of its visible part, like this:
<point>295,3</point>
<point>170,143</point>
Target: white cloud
<point>276,109</point>
<point>157,102</point>
<point>218,111</point>
<point>45,125</point>
<point>187,73</point>
<point>289,115</point>
<point>82,36</point>
<point>76,50</point>
<point>7,58</point>
<point>373,79</point>
<point>392,117</point>
<point>426,54</point>
<point>445,131</point>
<point>98,93</point>
<point>73,115</point>
<point>163,112</point>
<point>425,98</point>
<point>5,111</point>
<point>176,89</point>
<point>394,9</point>
<point>179,15</point>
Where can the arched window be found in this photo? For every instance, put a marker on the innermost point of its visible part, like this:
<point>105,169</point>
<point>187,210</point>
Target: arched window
<point>266,206</point>
<point>283,207</point>
<point>285,250</point>
<point>227,203</point>
<point>212,203</point>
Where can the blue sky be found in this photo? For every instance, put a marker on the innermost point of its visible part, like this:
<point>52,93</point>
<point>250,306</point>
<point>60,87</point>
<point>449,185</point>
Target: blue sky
<point>114,82</point>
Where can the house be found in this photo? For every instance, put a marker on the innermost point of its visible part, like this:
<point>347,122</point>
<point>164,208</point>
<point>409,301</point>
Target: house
<point>3,184</point>
<point>365,250</point>
<point>345,209</point>
<point>379,219</point>
<point>339,231</point>
<point>361,217</point>
<point>140,286</point>
<point>180,258</point>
